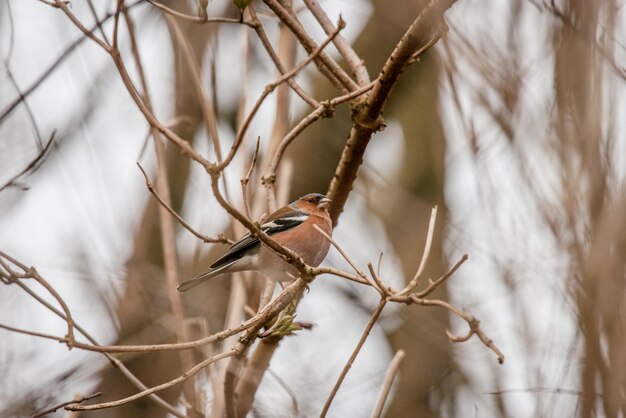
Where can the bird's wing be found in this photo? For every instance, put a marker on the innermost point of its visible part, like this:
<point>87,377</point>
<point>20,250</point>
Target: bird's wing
<point>281,220</point>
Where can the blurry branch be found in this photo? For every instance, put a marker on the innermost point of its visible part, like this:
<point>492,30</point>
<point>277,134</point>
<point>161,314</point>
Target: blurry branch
<point>196,19</point>
<point>325,109</point>
<point>208,112</point>
<point>29,111</point>
<point>388,294</point>
<point>55,64</point>
<point>8,276</point>
<point>188,374</point>
<point>357,349</point>
<point>260,32</point>
<point>425,255</point>
<point>326,65</point>
<point>269,88</point>
<point>221,238</point>
<point>423,33</point>
<point>33,165</point>
<point>78,400</point>
<point>566,20</point>
<point>392,371</point>
<point>352,59</point>
<point>166,225</point>
<point>244,181</point>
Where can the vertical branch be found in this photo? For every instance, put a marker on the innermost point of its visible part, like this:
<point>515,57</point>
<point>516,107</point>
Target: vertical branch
<point>392,371</point>
<point>166,222</point>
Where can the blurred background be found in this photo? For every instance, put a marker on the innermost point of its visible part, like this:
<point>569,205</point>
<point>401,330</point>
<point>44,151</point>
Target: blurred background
<point>514,125</point>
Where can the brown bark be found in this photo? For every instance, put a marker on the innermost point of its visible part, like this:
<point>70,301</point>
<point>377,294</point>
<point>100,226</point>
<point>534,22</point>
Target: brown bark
<point>144,306</point>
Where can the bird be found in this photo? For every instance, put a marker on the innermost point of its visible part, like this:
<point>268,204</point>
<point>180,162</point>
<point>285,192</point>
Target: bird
<point>292,226</point>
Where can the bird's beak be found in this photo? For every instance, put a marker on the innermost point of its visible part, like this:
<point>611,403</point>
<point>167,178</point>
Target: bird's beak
<point>324,203</point>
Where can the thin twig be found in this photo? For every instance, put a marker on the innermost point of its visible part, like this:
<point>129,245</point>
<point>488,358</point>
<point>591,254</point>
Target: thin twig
<point>246,179</point>
<point>345,49</point>
<point>262,35</point>
<point>31,273</point>
<point>33,165</point>
<point>63,6</point>
<point>325,109</point>
<point>327,65</point>
<point>356,351</point>
<point>196,19</point>
<point>78,400</point>
<point>392,371</point>
<point>425,254</point>
<point>345,256</point>
<point>380,286</point>
<point>269,88</point>
<point>219,239</point>
<point>432,285</point>
<point>189,373</point>
<point>114,360</point>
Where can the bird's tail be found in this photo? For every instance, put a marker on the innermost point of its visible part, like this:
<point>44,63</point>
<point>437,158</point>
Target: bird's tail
<point>191,283</point>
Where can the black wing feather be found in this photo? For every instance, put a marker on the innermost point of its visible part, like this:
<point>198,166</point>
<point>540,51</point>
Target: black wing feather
<point>249,244</point>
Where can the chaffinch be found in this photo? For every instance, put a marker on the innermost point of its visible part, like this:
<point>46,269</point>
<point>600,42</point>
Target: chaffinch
<point>291,226</point>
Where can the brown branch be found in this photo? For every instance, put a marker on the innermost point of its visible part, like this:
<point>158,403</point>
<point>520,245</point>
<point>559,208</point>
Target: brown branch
<point>392,371</point>
<point>114,361</point>
<point>261,318</point>
<point>244,181</point>
<point>55,64</point>
<point>182,378</point>
<point>429,240</point>
<point>31,333</point>
<point>196,19</point>
<point>168,234</point>
<point>433,285</point>
<point>33,165</point>
<point>327,66</point>
<point>269,88</point>
<point>78,400</point>
<point>325,109</point>
<point>260,32</point>
<point>32,273</point>
<point>367,117</point>
<point>63,6</point>
<point>205,238</point>
<point>356,351</point>
<point>345,49</point>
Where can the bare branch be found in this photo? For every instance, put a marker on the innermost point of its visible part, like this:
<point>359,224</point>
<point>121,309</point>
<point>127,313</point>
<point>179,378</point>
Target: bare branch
<point>425,254</point>
<point>433,285</point>
<point>196,19</point>
<point>78,400</point>
<point>205,238</point>
<point>367,119</point>
<point>392,371</point>
<point>189,373</point>
<point>354,61</point>
<point>114,361</point>
<point>324,62</point>
<point>355,353</point>
<point>33,165</point>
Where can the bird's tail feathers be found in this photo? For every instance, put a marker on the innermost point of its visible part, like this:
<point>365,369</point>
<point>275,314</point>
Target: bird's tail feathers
<point>191,283</point>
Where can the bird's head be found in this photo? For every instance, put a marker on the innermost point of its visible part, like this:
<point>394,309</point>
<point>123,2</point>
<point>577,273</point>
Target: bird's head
<point>312,202</point>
